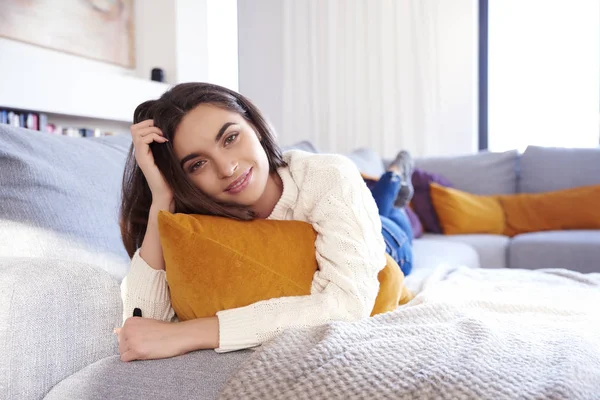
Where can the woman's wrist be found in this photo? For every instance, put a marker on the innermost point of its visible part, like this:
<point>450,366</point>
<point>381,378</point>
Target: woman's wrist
<point>163,203</point>
<point>197,334</point>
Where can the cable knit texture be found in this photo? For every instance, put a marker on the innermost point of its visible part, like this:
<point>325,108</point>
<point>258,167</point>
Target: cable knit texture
<point>327,191</point>
<point>469,334</point>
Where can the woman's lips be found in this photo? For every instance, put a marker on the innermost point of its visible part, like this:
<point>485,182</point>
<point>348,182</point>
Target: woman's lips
<point>240,183</point>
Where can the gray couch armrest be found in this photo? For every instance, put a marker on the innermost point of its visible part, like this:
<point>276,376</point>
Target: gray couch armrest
<point>56,317</point>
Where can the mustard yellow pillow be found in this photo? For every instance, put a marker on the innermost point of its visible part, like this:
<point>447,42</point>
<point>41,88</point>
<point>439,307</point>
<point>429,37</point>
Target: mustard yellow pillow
<point>215,264</point>
<point>461,212</point>
<point>577,208</point>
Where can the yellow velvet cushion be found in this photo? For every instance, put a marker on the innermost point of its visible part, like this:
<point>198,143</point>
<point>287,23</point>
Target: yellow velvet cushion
<point>215,264</point>
<point>577,208</point>
<point>461,212</point>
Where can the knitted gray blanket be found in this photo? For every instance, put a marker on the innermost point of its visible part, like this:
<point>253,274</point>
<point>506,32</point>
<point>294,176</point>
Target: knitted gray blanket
<point>468,334</point>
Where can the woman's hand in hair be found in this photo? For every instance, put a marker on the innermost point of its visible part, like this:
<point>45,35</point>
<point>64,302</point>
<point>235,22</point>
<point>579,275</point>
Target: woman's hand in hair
<point>142,134</point>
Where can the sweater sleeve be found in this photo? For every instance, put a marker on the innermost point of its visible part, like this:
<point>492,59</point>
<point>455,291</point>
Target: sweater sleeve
<point>350,253</point>
<point>146,288</point>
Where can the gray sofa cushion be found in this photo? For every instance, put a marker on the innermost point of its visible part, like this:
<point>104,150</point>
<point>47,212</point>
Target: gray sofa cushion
<point>544,169</point>
<point>482,173</point>
<point>575,250</point>
<point>56,317</point>
<point>430,253</point>
<point>305,145</point>
<point>492,249</point>
<point>196,375</point>
<point>59,197</point>
<point>368,161</point>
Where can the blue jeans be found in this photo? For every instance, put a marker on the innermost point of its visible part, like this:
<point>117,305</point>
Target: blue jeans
<point>395,225</point>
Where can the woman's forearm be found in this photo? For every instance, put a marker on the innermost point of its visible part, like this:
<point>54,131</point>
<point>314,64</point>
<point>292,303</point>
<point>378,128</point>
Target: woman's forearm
<point>151,250</point>
<point>197,334</point>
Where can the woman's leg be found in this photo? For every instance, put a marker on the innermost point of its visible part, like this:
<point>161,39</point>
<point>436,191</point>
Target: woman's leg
<point>395,225</point>
<point>397,244</point>
<point>394,188</point>
<point>385,191</point>
<point>398,215</point>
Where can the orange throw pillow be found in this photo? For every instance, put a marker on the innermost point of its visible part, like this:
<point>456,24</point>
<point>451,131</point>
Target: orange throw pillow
<point>215,263</point>
<point>577,208</point>
<point>461,212</point>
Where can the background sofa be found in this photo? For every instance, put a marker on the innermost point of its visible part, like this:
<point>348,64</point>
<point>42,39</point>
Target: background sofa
<point>62,260</point>
<point>536,170</point>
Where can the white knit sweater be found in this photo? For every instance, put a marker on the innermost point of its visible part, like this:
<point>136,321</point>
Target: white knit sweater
<point>327,191</point>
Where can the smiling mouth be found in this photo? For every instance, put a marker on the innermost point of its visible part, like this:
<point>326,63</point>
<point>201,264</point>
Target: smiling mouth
<point>239,183</point>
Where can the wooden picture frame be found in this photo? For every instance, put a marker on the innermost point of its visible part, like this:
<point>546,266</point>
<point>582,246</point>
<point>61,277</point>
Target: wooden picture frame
<point>101,30</point>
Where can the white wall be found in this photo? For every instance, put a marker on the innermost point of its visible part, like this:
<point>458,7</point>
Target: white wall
<point>156,39</point>
<point>222,43</point>
<point>191,40</point>
<point>260,52</point>
<point>191,48</point>
<point>261,70</point>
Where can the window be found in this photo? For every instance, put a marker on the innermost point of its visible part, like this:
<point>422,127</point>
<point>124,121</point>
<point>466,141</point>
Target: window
<point>543,77</point>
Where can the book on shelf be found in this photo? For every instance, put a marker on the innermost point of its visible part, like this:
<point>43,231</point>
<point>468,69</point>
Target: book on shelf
<point>39,122</point>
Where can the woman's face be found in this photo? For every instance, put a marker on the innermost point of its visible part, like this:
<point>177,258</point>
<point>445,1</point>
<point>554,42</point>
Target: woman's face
<point>222,155</point>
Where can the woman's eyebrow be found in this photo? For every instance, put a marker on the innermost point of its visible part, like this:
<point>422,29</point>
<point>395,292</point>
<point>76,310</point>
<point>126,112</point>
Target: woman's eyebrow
<point>187,158</point>
<point>217,138</point>
<point>222,130</point>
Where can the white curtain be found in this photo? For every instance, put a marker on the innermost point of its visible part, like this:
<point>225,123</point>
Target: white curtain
<point>362,73</point>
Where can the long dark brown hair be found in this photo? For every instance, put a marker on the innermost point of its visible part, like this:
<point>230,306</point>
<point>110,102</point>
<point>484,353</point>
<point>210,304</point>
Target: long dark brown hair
<point>167,113</point>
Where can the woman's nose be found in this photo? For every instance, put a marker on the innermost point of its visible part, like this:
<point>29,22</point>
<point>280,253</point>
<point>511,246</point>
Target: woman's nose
<point>227,168</point>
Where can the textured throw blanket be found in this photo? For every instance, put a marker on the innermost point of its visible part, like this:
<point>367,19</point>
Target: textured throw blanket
<point>468,334</point>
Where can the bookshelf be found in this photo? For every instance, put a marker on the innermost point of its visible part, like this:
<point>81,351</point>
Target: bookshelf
<point>67,125</point>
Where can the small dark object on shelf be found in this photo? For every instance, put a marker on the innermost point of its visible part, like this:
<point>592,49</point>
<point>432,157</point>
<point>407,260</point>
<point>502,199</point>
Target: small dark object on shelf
<point>158,75</point>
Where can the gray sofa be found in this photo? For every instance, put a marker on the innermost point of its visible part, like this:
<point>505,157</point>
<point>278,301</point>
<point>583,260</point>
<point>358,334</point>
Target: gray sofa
<point>537,169</point>
<point>61,263</point>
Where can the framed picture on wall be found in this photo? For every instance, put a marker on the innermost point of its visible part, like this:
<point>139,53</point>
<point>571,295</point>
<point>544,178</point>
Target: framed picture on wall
<point>97,29</point>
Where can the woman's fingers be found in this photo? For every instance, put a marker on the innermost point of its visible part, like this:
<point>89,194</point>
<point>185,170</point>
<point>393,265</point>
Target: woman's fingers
<point>147,131</point>
<point>121,341</point>
<point>143,124</point>
<point>153,137</point>
<point>126,353</point>
<point>128,356</point>
<point>122,346</point>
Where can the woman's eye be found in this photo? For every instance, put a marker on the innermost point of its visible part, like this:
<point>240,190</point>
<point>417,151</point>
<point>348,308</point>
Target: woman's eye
<point>196,165</point>
<point>231,139</point>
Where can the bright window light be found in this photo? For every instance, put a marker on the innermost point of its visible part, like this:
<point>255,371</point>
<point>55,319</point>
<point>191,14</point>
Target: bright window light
<point>544,73</point>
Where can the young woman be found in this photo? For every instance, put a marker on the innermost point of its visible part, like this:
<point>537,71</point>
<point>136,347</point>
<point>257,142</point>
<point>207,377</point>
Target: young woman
<point>205,149</point>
